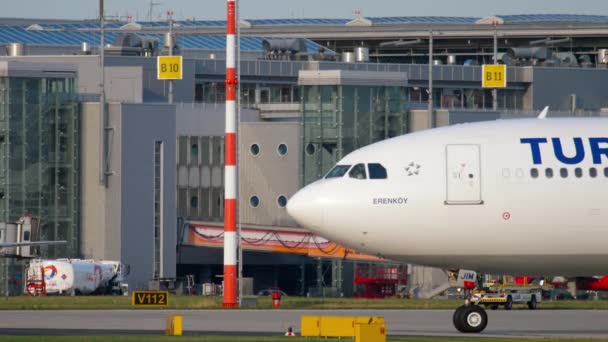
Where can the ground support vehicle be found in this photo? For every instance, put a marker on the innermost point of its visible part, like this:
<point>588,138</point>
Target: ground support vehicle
<point>506,296</point>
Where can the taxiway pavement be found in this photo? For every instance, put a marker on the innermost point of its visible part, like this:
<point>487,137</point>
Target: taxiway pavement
<point>516,323</point>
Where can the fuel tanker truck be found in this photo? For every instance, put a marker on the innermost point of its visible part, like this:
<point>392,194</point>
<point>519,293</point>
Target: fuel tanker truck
<point>73,277</point>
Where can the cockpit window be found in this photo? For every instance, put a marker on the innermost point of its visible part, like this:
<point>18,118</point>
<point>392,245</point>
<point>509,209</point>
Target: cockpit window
<point>338,171</point>
<point>376,171</point>
<point>358,172</point>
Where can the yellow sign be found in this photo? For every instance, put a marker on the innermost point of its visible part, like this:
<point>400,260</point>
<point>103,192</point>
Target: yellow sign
<point>150,298</point>
<point>169,67</point>
<point>494,76</point>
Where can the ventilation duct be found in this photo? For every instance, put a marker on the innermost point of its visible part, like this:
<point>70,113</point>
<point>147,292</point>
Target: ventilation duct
<point>127,40</point>
<point>85,48</point>
<point>15,49</point>
<point>530,53</point>
<point>348,57</point>
<point>362,54</point>
<point>284,48</point>
<point>602,56</point>
<point>130,44</point>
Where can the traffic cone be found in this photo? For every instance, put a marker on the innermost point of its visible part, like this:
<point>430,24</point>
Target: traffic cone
<point>290,332</point>
<point>276,300</point>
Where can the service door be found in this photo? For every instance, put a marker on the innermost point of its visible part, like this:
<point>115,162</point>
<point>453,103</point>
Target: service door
<point>463,174</point>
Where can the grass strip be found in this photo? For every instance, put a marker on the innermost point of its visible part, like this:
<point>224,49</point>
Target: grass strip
<point>200,302</point>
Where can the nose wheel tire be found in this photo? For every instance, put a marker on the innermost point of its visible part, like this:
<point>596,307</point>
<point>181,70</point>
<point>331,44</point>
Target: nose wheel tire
<point>470,319</point>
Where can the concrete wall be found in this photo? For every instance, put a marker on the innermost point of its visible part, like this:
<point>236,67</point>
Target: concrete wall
<point>553,87</point>
<point>142,126</point>
<point>117,222</point>
<point>418,118</point>
<point>206,119</point>
<point>457,117</point>
<point>100,206</point>
<point>124,84</point>
<point>200,177</point>
<point>93,196</point>
<point>114,191</point>
<point>268,175</point>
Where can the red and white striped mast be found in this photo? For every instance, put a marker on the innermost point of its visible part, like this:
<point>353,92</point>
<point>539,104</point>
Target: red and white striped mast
<point>230,172</point>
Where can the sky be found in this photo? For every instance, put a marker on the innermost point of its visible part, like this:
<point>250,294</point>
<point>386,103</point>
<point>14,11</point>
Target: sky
<point>257,9</point>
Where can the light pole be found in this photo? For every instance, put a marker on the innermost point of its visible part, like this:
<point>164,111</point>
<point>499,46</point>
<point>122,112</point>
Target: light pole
<point>430,120</point>
<point>495,90</point>
<point>171,44</point>
<point>102,100</point>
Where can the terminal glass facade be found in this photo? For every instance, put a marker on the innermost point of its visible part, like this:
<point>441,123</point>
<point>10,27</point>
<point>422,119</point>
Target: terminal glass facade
<point>252,93</point>
<point>39,157</point>
<point>338,119</point>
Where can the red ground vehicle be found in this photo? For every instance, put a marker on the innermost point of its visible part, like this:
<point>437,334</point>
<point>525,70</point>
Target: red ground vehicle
<point>379,281</point>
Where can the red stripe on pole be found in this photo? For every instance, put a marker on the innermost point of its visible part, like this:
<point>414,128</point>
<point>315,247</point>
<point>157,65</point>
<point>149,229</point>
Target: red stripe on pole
<point>230,93</point>
<point>231,82</point>
<point>230,215</point>
<point>231,75</point>
<point>230,149</point>
<point>231,22</point>
<point>230,286</point>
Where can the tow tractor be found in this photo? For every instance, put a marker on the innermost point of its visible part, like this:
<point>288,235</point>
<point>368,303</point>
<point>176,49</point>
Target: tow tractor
<point>472,317</point>
<point>508,292</point>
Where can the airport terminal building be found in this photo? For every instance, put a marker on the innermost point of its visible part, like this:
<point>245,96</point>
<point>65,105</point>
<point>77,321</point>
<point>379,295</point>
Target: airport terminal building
<point>140,180</point>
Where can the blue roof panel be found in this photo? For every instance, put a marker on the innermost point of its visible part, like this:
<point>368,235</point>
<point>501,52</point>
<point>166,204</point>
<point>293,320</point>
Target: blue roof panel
<point>428,20</point>
<point>19,34</point>
<point>319,21</point>
<point>518,18</point>
<point>555,18</point>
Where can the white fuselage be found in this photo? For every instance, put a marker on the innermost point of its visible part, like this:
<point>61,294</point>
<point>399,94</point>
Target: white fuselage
<point>465,197</point>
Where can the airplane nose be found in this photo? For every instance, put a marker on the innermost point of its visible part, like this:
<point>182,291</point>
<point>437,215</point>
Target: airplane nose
<point>306,208</point>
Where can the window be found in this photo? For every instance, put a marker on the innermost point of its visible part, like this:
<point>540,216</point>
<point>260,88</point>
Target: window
<point>376,171</point>
<point>254,149</point>
<point>282,149</point>
<point>194,202</point>
<point>338,171</point>
<point>563,172</point>
<point>194,153</point>
<point>606,171</point>
<point>311,149</point>
<point>198,92</point>
<point>578,172</point>
<point>358,172</point>
<point>254,201</point>
<point>26,235</point>
<point>534,173</point>
<point>592,172</point>
<point>282,201</point>
<point>549,173</point>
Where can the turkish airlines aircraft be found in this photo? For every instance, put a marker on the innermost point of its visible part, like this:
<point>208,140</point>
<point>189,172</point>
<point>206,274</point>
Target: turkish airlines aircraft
<point>522,196</point>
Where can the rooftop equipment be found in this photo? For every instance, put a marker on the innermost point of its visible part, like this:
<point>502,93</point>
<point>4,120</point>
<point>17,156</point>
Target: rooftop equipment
<point>602,56</point>
<point>15,49</point>
<point>362,54</point>
<point>286,49</point>
<point>131,44</point>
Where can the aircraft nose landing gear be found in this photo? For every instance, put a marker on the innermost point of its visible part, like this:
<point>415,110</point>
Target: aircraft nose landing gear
<point>470,318</point>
